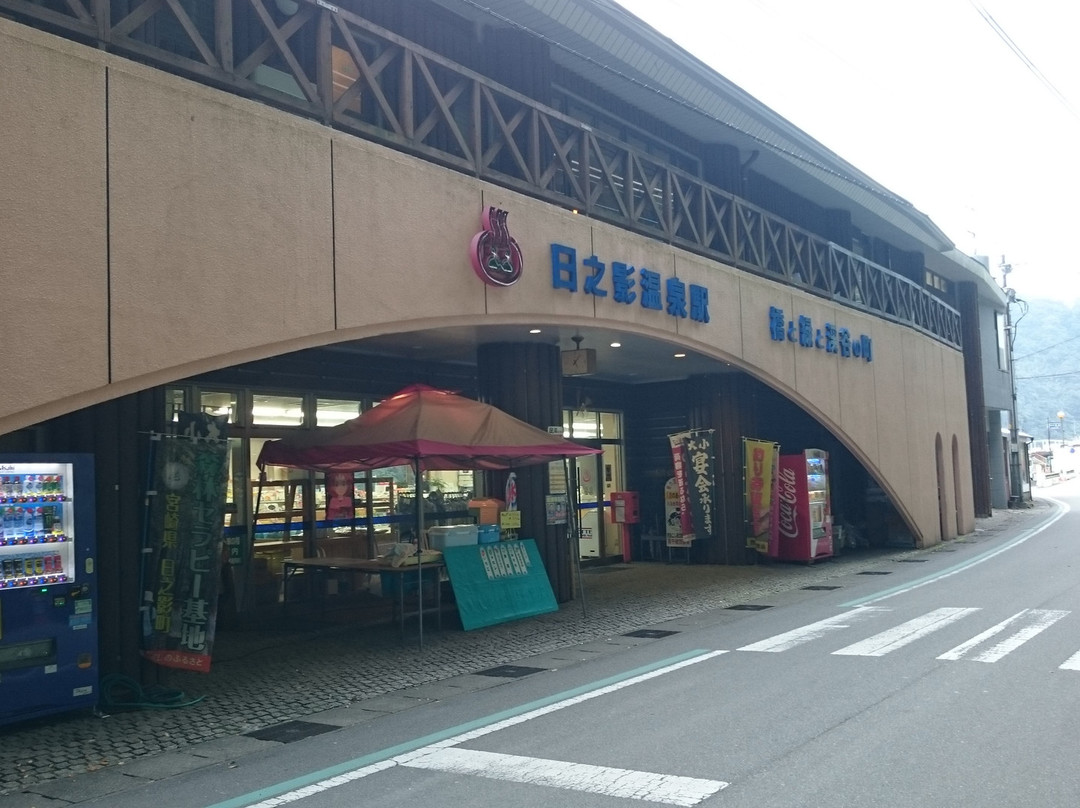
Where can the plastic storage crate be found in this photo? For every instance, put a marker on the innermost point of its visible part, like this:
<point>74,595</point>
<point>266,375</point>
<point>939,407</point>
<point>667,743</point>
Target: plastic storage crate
<point>443,536</point>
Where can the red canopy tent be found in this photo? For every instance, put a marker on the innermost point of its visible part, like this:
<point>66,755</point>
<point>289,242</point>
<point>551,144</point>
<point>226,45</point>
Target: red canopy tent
<point>427,429</point>
<point>424,427</point>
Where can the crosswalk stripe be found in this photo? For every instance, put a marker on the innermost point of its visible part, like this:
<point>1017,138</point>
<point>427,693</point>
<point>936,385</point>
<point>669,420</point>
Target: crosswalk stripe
<point>1038,620</point>
<point>1071,664</point>
<point>804,634</point>
<point>669,789</point>
<point>905,633</point>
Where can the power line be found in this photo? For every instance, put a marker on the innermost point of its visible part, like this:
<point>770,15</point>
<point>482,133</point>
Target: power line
<point>1046,348</point>
<point>1049,375</point>
<point>1030,65</point>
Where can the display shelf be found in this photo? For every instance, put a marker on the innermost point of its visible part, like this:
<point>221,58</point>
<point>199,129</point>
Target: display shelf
<point>35,526</point>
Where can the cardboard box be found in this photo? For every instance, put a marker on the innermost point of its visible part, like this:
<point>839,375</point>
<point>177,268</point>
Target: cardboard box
<point>486,511</point>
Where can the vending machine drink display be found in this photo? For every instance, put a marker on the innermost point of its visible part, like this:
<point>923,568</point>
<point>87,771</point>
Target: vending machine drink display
<point>802,524</point>
<point>48,586</point>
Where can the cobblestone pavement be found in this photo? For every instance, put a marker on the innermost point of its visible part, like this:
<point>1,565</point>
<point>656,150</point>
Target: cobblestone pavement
<point>266,677</point>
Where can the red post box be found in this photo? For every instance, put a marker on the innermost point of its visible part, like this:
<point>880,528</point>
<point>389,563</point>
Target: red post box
<point>625,512</point>
<point>624,508</point>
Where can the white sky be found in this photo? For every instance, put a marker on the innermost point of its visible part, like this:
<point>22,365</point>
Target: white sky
<point>925,98</point>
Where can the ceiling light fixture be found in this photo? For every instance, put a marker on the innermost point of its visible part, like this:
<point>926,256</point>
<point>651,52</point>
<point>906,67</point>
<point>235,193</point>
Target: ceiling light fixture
<point>680,356</point>
<point>534,330</point>
<point>616,345</point>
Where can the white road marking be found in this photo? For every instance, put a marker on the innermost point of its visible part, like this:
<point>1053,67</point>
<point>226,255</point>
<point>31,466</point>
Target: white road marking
<point>324,785</point>
<point>611,782</point>
<point>1071,664</point>
<point>1037,620</point>
<point>898,637</point>
<point>813,631</point>
<point>410,758</point>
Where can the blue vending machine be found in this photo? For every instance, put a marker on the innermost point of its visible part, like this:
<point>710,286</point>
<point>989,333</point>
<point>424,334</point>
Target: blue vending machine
<point>48,586</point>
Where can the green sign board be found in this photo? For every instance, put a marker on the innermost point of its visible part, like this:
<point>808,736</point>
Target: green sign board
<point>496,583</point>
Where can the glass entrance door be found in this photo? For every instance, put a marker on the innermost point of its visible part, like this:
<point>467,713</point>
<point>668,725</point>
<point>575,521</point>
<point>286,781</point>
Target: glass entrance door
<point>597,476</point>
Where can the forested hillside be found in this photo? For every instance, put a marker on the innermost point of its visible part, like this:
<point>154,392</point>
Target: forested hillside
<point>1047,361</point>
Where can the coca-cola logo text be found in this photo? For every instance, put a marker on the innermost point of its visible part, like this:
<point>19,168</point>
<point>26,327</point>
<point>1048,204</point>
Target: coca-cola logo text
<point>788,521</point>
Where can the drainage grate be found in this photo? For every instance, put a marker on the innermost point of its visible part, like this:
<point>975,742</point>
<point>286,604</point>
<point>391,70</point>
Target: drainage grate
<point>749,607</point>
<point>290,731</point>
<point>650,633</point>
<point>602,570</point>
<point>874,572</point>
<point>910,560</point>
<point>821,588</point>
<point>510,671</point>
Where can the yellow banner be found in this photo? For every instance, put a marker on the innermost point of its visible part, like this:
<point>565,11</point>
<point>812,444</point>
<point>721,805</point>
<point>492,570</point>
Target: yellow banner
<point>759,475</point>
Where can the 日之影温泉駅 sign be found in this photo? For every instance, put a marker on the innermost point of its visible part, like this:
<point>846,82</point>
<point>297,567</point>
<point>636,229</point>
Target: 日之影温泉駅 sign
<point>627,285</point>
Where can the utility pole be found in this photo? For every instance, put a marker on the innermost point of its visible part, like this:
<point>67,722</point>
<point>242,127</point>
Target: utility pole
<point>1016,489</point>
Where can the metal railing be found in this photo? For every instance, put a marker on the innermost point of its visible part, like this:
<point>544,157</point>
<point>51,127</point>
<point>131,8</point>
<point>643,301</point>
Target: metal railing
<point>330,64</point>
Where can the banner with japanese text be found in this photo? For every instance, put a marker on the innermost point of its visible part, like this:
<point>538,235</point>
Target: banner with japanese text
<point>680,534</point>
<point>700,458</point>
<point>760,458</point>
<point>185,518</point>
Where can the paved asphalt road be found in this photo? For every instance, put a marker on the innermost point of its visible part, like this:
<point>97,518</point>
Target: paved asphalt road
<point>954,681</point>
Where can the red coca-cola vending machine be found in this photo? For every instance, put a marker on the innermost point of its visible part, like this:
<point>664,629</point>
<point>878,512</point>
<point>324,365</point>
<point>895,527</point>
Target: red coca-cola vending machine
<point>802,518</point>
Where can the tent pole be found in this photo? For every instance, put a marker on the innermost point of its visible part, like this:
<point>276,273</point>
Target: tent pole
<point>419,502</point>
<point>572,523</point>
<point>247,593</point>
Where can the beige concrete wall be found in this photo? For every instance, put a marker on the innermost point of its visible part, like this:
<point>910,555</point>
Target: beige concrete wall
<point>53,260</point>
<point>221,226</point>
<point>233,232</point>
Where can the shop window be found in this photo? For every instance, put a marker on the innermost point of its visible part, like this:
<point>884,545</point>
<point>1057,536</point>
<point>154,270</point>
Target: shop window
<point>580,425</point>
<point>592,425</point>
<point>174,403</point>
<point>1002,341</point>
<point>235,482</point>
<point>610,425</point>
<point>277,503</point>
<point>219,403</point>
<point>269,410</point>
<point>334,411</point>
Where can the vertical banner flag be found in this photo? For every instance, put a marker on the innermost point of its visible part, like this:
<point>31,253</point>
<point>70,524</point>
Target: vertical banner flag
<point>678,459</point>
<point>185,518</point>
<point>672,512</point>
<point>760,459</point>
<point>700,458</point>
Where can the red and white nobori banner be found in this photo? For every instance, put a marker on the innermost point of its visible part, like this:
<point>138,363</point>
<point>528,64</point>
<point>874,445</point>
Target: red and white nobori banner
<point>685,533</point>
